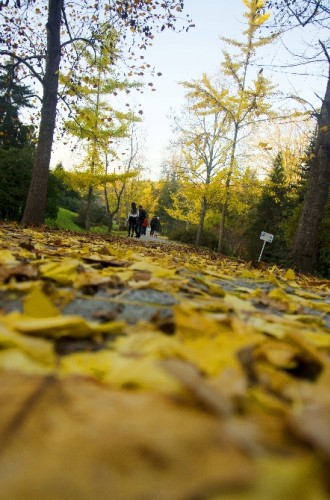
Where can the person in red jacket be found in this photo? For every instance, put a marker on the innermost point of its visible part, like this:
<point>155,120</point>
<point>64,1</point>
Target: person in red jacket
<point>142,215</point>
<point>145,224</point>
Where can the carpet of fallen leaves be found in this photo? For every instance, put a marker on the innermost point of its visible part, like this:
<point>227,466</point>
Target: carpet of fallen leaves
<point>135,369</point>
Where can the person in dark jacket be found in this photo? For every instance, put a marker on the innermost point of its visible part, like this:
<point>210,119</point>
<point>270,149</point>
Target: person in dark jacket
<point>132,220</point>
<point>142,215</point>
<point>154,226</point>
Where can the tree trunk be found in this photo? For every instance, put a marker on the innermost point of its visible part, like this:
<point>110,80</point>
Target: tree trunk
<point>199,237</point>
<point>227,190</point>
<point>110,222</point>
<point>88,208</point>
<point>35,209</point>
<point>107,207</point>
<point>305,243</point>
<point>222,224</point>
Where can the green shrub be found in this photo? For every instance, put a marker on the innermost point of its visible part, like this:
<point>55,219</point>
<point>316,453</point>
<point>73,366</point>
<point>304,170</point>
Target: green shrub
<point>184,235</point>
<point>188,235</point>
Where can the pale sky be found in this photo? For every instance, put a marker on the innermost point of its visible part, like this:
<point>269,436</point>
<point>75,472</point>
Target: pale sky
<point>182,57</point>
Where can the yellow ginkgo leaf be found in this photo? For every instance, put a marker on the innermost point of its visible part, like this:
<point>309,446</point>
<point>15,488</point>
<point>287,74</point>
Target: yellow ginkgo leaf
<point>320,306</point>
<point>156,270</point>
<point>93,364</point>
<point>61,326</point>
<point>62,272</point>
<point>213,355</point>
<point>290,274</point>
<point>280,354</point>
<point>6,257</point>
<point>15,359</point>
<point>247,274</point>
<point>272,279</point>
<point>191,323</point>
<point>90,278</point>
<point>237,303</point>
<point>317,339</point>
<point>38,305</point>
<point>140,373</point>
<point>279,294</point>
<point>36,348</point>
<point>275,329</point>
<point>149,344</point>
<point>213,288</point>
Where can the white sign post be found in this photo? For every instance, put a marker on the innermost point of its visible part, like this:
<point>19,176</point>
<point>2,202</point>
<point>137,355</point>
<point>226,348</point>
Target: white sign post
<point>266,237</point>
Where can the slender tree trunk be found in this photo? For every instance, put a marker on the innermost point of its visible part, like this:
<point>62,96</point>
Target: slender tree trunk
<point>94,154</point>
<point>222,224</point>
<point>110,222</point>
<point>227,191</point>
<point>35,208</point>
<point>110,215</point>
<point>199,237</point>
<point>88,208</point>
<point>305,243</point>
<point>107,209</point>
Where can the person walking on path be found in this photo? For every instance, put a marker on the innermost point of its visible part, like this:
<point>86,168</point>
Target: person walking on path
<point>142,215</point>
<point>132,220</point>
<point>154,226</point>
<point>145,224</point>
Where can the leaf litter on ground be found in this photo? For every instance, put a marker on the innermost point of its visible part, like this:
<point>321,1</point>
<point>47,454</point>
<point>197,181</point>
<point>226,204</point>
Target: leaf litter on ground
<point>155,370</point>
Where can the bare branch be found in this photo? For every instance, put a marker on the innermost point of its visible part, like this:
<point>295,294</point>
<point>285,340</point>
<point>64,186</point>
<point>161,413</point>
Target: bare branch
<point>325,51</point>
<point>24,61</point>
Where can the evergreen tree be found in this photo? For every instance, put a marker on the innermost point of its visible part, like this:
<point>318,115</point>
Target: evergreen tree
<point>270,215</point>
<point>17,151</point>
<point>13,97</point>
<point>322,257</point>
<point>323,250</point>
<point>15,173</point>
<point>16,146</point>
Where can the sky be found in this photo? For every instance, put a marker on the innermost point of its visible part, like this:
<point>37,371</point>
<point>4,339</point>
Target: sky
<point>181,57</point>
<point>185,57</point>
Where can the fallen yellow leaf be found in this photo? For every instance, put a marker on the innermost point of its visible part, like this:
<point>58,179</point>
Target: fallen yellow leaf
<point>38,305</point>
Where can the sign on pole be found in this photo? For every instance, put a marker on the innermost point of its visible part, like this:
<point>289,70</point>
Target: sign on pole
<point>267,238</point>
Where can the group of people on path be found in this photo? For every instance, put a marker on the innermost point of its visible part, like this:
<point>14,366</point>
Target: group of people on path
<point>138,222</point>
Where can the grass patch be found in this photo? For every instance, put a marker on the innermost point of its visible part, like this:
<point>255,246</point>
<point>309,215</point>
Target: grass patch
<point>99,229</point>
<point>65,220</point>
